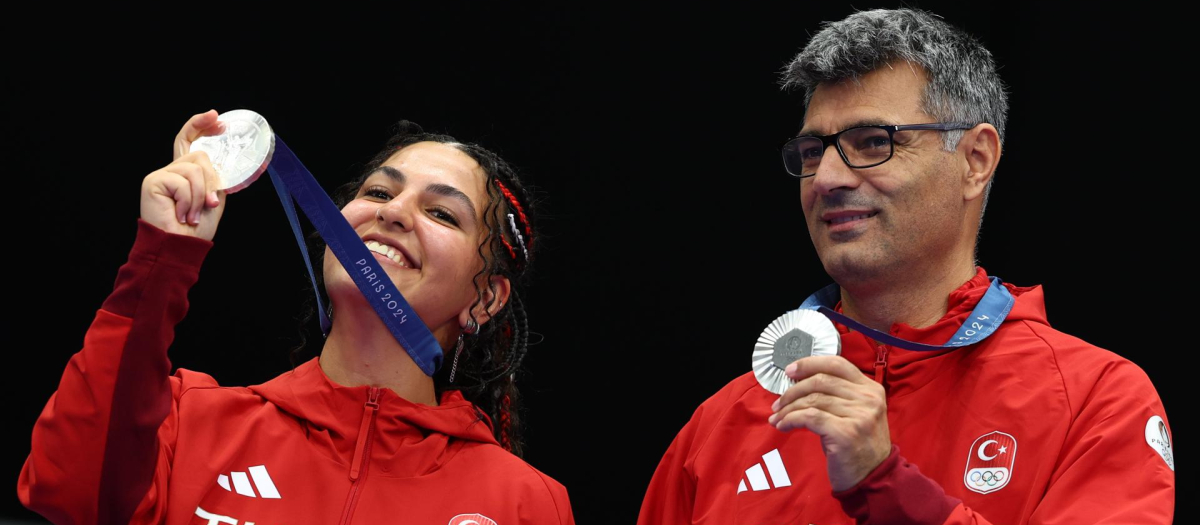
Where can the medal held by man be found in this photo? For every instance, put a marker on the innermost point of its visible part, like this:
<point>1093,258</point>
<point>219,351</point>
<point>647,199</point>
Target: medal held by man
<point>794,335</point>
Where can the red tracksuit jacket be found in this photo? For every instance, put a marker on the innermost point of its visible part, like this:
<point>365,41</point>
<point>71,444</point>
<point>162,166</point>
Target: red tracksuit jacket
<point>1029,426</point>
<point>123,441</point>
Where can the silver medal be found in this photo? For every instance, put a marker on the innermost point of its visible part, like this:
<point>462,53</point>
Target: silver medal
<point>242,153</point>
<point>794,335</point>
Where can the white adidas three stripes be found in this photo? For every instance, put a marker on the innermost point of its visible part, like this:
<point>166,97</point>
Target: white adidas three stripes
<point>241,483</point>
<point>758,479</point>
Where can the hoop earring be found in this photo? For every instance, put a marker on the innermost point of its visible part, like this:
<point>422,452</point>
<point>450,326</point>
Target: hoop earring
<point>458,347</point>
<point>471,327</point>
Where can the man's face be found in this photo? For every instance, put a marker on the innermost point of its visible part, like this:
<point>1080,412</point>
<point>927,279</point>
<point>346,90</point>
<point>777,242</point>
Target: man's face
<point>875,224</point>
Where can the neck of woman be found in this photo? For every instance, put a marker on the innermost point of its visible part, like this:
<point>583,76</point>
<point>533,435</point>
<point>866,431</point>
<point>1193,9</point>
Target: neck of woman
<point>361,351</point>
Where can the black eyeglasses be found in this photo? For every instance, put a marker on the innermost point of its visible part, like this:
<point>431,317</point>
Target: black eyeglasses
<point>860,146</point>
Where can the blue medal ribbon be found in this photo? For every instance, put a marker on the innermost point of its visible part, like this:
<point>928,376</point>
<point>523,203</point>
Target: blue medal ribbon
<point>293,182</point>
<point>983,321</point>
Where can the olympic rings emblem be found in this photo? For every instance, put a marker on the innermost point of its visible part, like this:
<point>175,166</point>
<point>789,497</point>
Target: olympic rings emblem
<point>989,478</point>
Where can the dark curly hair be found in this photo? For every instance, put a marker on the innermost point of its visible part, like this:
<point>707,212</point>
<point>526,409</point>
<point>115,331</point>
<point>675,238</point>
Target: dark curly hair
<point>491,358</point>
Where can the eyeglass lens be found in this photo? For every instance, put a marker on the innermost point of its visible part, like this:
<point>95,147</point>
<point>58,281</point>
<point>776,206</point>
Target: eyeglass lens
<point>863,147</point>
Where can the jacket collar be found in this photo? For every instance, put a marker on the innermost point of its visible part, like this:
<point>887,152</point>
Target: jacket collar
<point>409,439</point>
<point>907,370</point>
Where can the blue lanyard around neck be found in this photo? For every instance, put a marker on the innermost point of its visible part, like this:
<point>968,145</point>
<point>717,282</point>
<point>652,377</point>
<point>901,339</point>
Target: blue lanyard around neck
<point>983,321</point>
<point>293,182</point>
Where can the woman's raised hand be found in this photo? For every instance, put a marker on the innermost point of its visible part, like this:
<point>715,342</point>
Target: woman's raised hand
<point>182,197</point>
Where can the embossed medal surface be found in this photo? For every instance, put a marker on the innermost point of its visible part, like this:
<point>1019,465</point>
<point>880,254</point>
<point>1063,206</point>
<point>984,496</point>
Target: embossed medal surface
<point>242,153</point>
<point>794,335</point>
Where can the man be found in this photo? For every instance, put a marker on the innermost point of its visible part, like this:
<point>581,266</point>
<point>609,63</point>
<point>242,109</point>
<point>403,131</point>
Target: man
<point>1019,424</point>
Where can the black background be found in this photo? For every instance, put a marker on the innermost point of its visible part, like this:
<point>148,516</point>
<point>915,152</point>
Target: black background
<point>671,234</point>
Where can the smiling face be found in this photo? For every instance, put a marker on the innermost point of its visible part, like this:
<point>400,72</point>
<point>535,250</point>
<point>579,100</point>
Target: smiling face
<point>420,214</point>
<point>880,223</point>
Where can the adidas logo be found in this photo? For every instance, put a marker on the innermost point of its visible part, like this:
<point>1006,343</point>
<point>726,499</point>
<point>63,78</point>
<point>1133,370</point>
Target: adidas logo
<point>241,483</point>
<point>758,478</point>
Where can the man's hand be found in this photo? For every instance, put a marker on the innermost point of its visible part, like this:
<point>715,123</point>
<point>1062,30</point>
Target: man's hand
<point>847,409</point>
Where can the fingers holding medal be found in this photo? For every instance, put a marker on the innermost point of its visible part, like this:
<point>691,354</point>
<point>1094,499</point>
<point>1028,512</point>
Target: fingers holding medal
<point>836,401</point>
<point>200,125</point>
<point>183,198</point>
<point>214,155</point>
<point>797,356</point>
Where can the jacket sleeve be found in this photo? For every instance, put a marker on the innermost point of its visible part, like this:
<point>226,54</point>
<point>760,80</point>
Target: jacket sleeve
<point>101,448</point>
<point>897,492</point>
<point>1106,473</point>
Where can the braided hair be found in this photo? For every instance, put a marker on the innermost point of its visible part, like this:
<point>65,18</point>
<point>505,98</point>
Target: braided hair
<point>491,358</point>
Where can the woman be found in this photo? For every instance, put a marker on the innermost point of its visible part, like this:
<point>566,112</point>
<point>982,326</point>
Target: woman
<point>360,435</point>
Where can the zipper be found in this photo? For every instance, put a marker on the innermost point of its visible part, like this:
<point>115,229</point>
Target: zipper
<point>362,453</point>
<point>881,356</point>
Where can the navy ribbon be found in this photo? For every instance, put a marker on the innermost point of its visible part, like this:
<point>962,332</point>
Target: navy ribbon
<point>983,321</point>
<point>294,182</point>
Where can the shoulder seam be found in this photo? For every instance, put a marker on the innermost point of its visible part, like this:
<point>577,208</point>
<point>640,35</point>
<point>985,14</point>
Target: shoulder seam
<point>704,439</point>
<point>1057,366</point>
<point>542,477</point>
<point>185,390</point>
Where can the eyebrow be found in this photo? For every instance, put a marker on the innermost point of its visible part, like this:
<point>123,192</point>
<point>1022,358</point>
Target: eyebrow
<point>861,122</point>
<point>444,190</point>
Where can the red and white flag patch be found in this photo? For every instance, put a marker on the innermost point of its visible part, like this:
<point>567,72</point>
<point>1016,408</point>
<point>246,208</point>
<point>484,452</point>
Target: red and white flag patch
<point>990,462</point>
<point>471,519</point>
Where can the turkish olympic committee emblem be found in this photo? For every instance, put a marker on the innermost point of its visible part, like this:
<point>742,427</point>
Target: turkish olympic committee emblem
<point>472,519</point>
<point>990,462</point>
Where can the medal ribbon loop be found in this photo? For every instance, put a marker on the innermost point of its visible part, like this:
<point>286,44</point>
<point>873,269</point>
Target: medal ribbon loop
<point>293,182</point>
<point>983,321</point>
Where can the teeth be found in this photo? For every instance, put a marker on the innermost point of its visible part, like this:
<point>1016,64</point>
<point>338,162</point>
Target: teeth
<point>840,220</point>
<point>386,251</point>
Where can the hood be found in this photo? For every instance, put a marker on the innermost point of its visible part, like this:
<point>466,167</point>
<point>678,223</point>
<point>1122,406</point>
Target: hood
<point>410,439</point>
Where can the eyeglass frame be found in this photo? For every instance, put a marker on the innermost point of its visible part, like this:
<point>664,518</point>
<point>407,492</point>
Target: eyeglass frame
<point>890,128</point>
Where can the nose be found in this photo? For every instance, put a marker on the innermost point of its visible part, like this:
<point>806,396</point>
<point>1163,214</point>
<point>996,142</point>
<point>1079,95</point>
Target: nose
<point>399,211</point>
<point>833,174</point>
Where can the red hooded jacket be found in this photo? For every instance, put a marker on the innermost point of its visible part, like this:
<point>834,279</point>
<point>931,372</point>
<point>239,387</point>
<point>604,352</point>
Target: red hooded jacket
<point>123,441</point>
<point>1028,426</point>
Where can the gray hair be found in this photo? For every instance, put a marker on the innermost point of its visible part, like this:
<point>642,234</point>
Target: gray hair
<point>963,84</point>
